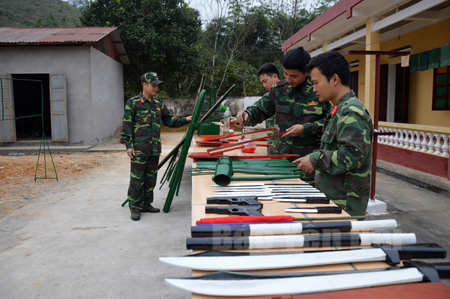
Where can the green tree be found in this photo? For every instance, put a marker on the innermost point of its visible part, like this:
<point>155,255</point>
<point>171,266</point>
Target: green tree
<point>250,35</point>
<point>53,22</point>
<point>64,21</point>
<point>158,35</point>
<point>38,22</point>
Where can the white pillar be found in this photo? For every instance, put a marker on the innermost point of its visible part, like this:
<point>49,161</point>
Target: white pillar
<point>382,138</point>
<point>417,143</point>
<point>406,140</point>
<point>445,146</point>
<point>424,142</point>
<point>437,146</point>
<point>401,139</point>
<point>430,144</point>
<point>396,137</point>
<point>411,140</point>
<point>391,137</point>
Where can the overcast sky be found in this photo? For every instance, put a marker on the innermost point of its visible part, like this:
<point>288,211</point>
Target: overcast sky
<point>208,8</point>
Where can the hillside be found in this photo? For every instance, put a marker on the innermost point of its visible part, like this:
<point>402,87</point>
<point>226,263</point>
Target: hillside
<point>37,13</point>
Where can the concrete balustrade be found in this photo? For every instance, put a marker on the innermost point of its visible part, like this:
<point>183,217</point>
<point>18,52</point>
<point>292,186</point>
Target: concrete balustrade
<point>431,140</point>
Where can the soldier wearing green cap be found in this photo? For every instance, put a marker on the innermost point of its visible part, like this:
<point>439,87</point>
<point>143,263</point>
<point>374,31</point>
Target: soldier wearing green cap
<point>142,119</point>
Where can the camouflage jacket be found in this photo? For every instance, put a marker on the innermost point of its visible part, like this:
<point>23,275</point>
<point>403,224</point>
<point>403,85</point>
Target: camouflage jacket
<point>291,106</point>
<point>344,161</point>
<point>270,123</point>
<point>141,124</point>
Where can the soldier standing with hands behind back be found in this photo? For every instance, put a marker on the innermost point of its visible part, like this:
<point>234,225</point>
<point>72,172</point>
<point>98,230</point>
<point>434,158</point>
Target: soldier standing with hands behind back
<point>343,163</point>
<point>142,119</point>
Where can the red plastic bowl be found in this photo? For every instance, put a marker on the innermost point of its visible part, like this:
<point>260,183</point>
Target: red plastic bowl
<point>248,149</point>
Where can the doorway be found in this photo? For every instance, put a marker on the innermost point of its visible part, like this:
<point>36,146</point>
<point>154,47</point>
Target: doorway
<point>354,82</point>
<point>394,93</point>
<point>28,106</point>
<point>401,94</point>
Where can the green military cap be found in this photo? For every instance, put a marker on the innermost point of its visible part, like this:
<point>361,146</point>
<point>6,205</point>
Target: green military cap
<point>152,77</point>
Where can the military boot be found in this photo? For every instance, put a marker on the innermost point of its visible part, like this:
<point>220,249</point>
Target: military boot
<point>135,214</point>
<point>150,209</point>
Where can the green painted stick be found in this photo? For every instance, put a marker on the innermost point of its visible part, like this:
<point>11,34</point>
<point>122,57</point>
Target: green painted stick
<point>175,150</point>
<point>167,172</point>
<point>266,178</point>
<point>248,171</point>
<point>178,173</point>
<point>217,104</point>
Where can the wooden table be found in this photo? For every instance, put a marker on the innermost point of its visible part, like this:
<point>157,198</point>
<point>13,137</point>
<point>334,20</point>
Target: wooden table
<point>202,188</point>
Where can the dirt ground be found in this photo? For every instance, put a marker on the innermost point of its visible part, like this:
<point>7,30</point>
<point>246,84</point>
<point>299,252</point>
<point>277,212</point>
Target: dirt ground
<point>17,174</point>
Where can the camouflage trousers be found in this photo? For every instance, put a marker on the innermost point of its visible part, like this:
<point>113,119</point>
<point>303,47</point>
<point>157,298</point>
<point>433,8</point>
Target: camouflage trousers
<point>143,174</point>
<point>353,206</point>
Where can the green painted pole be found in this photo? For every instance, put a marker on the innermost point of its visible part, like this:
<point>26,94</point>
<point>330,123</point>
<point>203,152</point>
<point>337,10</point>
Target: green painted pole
<point>177,147</point>
<point>264,178</point>
<point>224,171</point>
<point>182,159</point>
<point>175,150</point>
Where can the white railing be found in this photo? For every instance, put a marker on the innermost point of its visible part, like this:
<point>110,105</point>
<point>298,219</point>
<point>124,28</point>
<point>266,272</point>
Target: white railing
<point>427,139</point>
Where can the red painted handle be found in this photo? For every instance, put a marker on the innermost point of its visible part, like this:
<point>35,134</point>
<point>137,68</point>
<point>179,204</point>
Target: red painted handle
<point>220,149</point>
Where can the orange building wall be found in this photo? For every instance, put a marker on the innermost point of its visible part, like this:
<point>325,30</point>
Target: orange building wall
<point>421,83</point>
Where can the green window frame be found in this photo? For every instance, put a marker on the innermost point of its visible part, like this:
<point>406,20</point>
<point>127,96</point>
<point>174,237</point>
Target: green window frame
<point>441,88</point>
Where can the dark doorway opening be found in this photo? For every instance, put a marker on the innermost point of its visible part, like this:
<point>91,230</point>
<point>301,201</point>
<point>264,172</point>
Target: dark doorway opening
<point>27,102</point>
<point>354,82</point>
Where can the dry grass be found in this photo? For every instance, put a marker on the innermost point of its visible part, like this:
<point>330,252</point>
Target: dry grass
<point>180,129</point>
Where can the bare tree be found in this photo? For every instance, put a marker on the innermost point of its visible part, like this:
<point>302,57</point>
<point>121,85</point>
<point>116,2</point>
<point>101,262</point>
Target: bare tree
<point>80,3</point>
<point>217,11</point>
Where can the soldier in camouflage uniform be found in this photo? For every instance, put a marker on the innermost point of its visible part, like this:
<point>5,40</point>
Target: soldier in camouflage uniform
<point>297,110</point>
<point>269,74</point>
<point>344,161</point>
<point>142,119</point>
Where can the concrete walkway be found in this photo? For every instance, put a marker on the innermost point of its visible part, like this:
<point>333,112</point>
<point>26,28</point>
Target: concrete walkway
<point>78,242</point>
